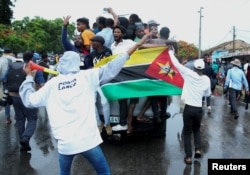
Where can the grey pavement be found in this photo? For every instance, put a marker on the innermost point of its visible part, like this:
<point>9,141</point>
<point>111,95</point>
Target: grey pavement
<point>222,137</point>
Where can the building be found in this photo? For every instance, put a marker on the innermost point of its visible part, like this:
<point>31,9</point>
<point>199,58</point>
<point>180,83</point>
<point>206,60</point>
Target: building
<point>230,50</point>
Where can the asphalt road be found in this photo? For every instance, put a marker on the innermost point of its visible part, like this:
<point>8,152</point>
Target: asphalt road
<point>222,137</point>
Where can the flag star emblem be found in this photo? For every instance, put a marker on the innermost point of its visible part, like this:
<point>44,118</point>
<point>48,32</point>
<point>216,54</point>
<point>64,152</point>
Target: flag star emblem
<point>166,69</point>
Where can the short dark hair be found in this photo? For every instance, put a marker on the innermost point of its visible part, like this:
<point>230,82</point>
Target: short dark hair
<point>83,21</point>
<point>7,50</point>
<point>101,20</point>
<point>27,56</point>
<point>123,29</point>
<point>44,55</point>
<point>109,22</point>
<point>134,18</point>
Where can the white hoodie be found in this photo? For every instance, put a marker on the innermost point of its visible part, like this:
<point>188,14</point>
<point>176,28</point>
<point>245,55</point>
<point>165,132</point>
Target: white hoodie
<point>70,101</point>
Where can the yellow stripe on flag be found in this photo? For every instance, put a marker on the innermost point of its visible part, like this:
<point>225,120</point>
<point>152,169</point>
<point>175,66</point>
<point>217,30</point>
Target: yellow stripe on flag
<point>139,57</point>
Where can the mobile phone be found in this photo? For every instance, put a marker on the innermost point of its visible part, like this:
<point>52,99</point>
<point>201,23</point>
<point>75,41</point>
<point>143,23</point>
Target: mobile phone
<point>105,10</point>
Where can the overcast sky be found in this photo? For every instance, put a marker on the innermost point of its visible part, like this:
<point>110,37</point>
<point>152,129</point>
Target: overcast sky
<point>181,16</point>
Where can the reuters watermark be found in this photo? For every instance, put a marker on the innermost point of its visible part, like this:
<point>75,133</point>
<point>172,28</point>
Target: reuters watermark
<point>228,166</point>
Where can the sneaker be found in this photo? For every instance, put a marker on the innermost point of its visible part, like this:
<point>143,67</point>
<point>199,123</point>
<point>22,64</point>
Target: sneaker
<point>108,129</point>
<point>119,127</point>
<point>25,146</point>
<point>209,109</point>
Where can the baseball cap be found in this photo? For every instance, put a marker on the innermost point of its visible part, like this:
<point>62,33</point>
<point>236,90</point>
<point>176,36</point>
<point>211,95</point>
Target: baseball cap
<point>199,64</point>
<point>98,39</point>
<point>36,56</point>
<point>153,22</point>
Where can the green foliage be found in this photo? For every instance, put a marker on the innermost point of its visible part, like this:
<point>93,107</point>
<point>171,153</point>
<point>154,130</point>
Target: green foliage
<point>6,12</point>
<point>186,50</point>
<point>38,34</point>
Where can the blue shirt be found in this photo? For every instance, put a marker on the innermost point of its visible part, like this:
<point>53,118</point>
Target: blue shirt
<point>235,78</point>
<point>107,34</point>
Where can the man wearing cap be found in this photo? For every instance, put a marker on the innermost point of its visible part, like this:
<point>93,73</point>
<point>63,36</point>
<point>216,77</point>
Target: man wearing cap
<point>196,85</point>
<point>153,26</point>
<point>99,52</point>
<point>6,59</point>
<point>234,80</point>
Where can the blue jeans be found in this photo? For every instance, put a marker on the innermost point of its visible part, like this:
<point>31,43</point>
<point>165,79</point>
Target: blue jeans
<point>95,157</point>
<point>192,121</point>
<point>22,113</point>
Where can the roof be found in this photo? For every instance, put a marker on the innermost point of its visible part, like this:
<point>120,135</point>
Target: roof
<point>238,45</point>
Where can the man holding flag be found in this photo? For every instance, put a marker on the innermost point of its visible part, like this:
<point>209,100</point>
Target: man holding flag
<point>196,85</point>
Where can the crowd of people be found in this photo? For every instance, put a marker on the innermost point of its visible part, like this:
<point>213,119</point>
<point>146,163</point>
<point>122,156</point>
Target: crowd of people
<point>71,97</point>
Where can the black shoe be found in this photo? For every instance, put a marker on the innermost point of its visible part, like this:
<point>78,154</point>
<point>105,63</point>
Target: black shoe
<point>165,116</point>
<point>236,116</point>
<point>25,146</point>
<point>246,107</point>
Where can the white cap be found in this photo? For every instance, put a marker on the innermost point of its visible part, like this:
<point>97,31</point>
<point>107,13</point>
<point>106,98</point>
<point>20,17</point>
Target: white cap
<point>199,64</point>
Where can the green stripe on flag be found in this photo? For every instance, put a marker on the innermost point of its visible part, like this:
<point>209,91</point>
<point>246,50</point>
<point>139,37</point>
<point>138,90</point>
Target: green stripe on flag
<point>139,88</point>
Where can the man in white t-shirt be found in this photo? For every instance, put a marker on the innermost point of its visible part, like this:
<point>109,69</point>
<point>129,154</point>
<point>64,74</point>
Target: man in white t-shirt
<point>196,85</point>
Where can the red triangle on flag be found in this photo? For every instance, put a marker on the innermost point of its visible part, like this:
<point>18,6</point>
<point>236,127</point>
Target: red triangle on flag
<point>162,68</point>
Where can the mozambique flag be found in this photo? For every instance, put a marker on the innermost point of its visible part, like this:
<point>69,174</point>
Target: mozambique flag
<point>162,68</point>
<point>133,81</point>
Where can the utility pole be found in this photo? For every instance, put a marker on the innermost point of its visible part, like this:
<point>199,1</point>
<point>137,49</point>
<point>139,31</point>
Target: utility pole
<point>234,38</point>
<point>200,12</point>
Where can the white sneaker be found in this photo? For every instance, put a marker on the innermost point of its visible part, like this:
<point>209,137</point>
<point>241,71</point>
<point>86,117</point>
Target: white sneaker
<point>209,109</point>
<point>119,127</point>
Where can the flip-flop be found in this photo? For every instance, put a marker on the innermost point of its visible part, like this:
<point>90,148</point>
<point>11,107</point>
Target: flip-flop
<point>129,132</point>
<point>188,160</point>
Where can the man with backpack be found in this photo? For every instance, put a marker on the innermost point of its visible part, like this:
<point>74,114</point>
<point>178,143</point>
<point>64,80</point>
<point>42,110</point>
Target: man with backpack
<point>15,77</point>
<point>6,59</point>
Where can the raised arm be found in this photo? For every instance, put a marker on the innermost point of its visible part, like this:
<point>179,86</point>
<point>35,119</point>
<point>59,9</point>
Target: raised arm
<point>65,42</point>
<point>108,72</point>
<point>115,16</point>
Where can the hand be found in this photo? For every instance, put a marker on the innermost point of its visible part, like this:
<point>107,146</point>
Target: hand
<point>66,20</point>
<point>110,10</point>
<point>28,71</point>
<point>144,39</point>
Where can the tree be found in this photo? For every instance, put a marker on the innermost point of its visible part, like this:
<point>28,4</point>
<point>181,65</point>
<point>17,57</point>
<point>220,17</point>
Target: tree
<point>6,12</point>
<point>37,34</point>
<point>186,50</point>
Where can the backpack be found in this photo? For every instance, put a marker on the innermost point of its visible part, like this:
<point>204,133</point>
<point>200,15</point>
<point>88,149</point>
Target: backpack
<point>15,76</point>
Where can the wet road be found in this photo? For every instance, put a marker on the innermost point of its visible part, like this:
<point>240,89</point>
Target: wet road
<point>222,137</point>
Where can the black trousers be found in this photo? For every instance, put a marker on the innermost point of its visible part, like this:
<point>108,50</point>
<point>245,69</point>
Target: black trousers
<point>192,121</point>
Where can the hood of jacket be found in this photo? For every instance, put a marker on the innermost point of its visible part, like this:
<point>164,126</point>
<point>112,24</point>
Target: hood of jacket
<point>69,63</point>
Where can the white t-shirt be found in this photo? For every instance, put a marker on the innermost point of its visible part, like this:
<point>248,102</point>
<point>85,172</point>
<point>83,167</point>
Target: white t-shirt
<point>122,47</point>
<point>195,86</point>
<point>245,67</point>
